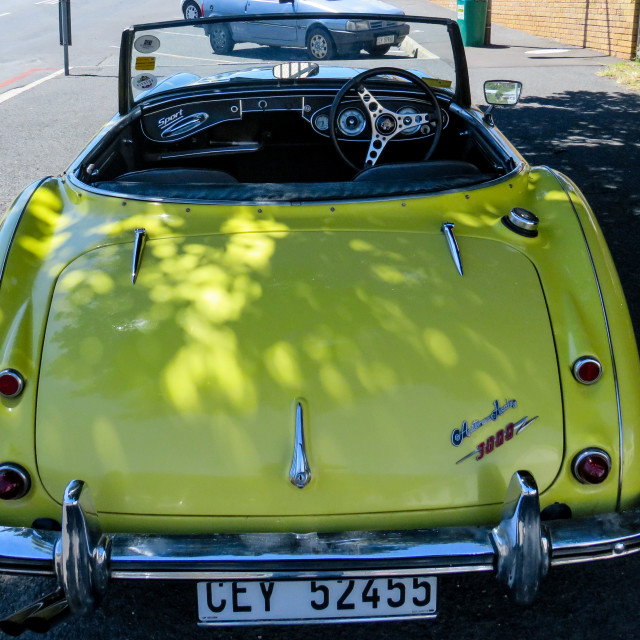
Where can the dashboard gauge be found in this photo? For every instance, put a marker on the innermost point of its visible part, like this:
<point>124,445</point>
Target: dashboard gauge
<point>411,130</point>
<point>322,122</point>
<point>351,122</point>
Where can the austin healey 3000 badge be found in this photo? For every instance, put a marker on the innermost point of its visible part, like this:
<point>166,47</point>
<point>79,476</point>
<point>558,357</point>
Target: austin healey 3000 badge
<point>458,435</point>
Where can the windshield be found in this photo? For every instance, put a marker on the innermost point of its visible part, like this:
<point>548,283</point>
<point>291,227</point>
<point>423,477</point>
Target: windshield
<point>227,49</point>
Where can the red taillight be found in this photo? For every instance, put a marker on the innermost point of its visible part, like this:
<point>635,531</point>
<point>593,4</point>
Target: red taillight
<point>11,383</point>
<point>591,466</point>
<point>14,482</point>
<point>587,370</point>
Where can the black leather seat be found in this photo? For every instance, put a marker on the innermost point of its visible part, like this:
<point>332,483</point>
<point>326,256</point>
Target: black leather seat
<point>168,175</point>
<point>435,170</point>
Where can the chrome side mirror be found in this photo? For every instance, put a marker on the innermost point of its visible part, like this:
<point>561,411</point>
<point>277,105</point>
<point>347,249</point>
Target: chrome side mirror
<point>502,92</point>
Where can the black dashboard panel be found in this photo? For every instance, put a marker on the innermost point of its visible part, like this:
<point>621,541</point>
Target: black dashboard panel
<point>180,121</point>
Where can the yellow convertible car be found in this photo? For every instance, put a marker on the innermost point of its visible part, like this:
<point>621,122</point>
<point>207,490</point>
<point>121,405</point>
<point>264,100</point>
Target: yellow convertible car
<point>310,335</point>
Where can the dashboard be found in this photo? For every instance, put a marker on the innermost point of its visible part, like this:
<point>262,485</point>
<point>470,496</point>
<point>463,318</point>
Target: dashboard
<point>181,120</point>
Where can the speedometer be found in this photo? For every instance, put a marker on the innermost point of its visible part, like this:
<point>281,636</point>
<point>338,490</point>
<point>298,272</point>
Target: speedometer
<point>410,130</point>
<point>351,122</point>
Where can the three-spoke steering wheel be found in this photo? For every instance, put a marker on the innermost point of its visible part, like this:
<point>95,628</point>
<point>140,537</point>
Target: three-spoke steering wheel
<point>384,123</point>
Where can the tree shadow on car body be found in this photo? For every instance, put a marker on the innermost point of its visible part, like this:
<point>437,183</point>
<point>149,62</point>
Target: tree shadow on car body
<point>594,138</point>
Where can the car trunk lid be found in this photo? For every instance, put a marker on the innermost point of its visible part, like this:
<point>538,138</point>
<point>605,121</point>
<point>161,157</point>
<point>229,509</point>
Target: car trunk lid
<point>177,395</point>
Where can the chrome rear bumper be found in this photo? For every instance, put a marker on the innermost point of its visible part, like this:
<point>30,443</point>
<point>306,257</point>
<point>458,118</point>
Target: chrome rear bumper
<point>519,550</point>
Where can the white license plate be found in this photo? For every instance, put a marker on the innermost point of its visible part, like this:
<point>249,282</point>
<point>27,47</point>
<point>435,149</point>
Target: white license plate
<point>299,601</point>
<point>385,39</point>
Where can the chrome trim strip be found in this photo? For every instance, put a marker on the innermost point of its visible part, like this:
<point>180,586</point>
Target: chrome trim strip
<point>241,148</point>
<point>300,472</point>
<point>27,551</point>
<point>138,248</point>
<point>448,550</point>
<point>301,575</point>
<point>447,229</point>
<point>608,329</point>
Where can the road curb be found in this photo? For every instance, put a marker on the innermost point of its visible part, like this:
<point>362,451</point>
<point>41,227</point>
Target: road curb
<point>415,50</point>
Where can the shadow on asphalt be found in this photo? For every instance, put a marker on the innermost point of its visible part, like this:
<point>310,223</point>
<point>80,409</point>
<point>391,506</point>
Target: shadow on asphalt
<point>593,137</point>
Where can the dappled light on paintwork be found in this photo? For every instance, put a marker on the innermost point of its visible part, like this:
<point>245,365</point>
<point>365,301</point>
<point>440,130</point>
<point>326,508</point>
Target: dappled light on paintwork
<point>46,206</point>
<point>440,345</point>
<point>222,332</point>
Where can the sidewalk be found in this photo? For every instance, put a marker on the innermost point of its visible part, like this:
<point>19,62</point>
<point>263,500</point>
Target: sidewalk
<point>544,66</point>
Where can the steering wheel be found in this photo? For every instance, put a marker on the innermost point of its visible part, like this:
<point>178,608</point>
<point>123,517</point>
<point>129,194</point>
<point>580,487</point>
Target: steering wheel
<point>384,123</point>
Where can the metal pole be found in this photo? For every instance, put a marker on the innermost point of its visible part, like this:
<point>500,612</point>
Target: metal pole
<point>638,40</point>
<point>487,28</point>
<point>64,15</point>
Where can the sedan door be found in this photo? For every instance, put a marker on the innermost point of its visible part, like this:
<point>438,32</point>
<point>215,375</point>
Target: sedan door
<point>276,32</point>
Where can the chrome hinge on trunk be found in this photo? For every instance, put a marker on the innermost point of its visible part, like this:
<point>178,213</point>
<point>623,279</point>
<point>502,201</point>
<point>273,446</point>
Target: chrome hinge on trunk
<point>138,247</point>
<point>447,229</point>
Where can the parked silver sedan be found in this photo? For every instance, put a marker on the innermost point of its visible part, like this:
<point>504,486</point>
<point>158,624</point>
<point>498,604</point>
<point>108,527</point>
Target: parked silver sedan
<point>191,9</point>
<point>324,38</point>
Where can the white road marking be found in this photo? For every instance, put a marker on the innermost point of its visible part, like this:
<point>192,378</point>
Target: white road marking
<point>16,92</point>
<point>47,2</point>
<point>543,51</point>
<point>191,35</point>
<point>173,55</point>
<point>4,14</point>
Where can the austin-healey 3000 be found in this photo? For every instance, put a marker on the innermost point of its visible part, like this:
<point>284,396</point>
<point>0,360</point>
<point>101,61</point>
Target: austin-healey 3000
<point>309,334</point>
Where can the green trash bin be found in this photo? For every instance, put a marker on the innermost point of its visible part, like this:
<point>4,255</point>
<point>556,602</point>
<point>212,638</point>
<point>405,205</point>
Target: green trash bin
<point>472,17</point>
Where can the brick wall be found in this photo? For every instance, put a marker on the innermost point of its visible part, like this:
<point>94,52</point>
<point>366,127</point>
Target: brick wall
<point>610,26</point>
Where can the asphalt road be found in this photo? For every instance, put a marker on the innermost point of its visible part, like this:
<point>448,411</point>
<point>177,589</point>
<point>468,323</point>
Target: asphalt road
<point>570,119</point>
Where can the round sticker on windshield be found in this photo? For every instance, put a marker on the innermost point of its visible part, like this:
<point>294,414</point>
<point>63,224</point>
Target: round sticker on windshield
<point>144,81</point>
<point>147,44</point>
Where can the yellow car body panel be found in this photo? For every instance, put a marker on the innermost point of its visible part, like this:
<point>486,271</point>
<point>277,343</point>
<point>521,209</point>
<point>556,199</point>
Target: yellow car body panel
<point>72,252</point>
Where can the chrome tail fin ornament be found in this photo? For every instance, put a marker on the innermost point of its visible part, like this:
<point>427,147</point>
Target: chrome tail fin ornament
<point>138,248</point>
<point>447,229</point>
<point>82,553</point>
<point>520,543</point>
<point>81,560</point>
<point>300,472</point>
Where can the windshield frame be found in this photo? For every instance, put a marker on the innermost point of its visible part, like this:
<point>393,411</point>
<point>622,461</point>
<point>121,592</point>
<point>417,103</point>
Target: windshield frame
<point>126,101</point>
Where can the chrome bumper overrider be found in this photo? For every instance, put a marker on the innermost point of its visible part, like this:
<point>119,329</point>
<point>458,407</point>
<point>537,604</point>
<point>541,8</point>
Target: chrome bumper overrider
<point>519,550</point>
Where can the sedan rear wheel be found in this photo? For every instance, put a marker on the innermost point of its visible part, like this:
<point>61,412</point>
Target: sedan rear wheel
<point>220,39</point>
<point>191,10</point>
<point>320,45</point>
